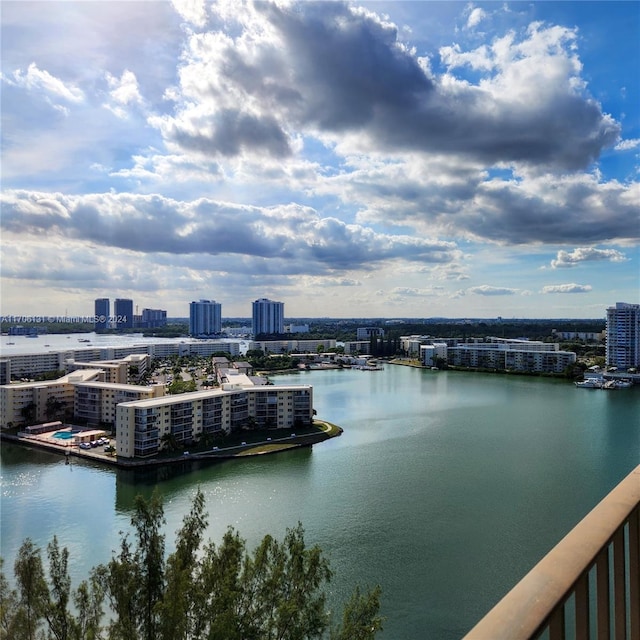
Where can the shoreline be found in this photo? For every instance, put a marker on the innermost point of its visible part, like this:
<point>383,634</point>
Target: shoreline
<point>260,448</point>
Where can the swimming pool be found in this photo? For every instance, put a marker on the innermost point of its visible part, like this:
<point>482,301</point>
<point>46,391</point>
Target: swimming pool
<point>63,435</point>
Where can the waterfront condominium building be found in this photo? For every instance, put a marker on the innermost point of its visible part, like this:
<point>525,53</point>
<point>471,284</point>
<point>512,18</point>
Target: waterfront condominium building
<point>143,426</point>
<point>268,317</point>
<point>123,312</point>
<point>102,311</point>
<point>623,335</point>
<point>205,318</point>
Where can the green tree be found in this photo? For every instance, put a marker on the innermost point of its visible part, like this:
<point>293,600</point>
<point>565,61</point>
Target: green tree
<point>8,607</point>
<point>32,592</point>
<point>53,407</point>
<point>181,604</point>
<point>147,520</point>
<point>119,581</point>
<point>88,599</point>
<point>360,619</point>
<point>28,412</point>
<point>168,441</point>
<point>57,610</point>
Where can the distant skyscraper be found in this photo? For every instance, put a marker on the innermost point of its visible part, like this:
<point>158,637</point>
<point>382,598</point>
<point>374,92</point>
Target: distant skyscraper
<point>153,318</point>
<point>268,317</point>
<point>123,312</point>
<point>102,309</point>
<point>205,318</point>
<point>623,335</point>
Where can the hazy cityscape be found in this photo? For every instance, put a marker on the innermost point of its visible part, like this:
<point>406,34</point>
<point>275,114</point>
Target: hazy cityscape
<point>368,270</point>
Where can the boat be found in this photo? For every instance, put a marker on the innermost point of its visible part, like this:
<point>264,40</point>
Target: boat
<point>83,340</point>
<point>589,383</point>
<point>8,343</point>
<point>617,384</point>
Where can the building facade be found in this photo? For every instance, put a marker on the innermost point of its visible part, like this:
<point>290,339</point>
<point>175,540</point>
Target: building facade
<point>514,355</point>
<point>153,318</point>
<point>95,402</point>
<point>102,308</point>
<point>623,336</point>
<point>142,427</point>
<point>292,346</point>
<point>268,317</point>
<point>27,365</point>
<point>366,333</point>
<point>34,402</point>
<point>123,313</point>
<point>205,318</point>
<point>433,354</point>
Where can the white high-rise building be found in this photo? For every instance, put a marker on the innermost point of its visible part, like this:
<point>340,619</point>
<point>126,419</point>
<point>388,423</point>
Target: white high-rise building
<point>268,317</point>
<point>205,318</point>
<point>623,335</point>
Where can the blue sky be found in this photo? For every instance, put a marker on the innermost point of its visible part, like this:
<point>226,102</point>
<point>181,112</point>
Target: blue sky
<point>375,159</point>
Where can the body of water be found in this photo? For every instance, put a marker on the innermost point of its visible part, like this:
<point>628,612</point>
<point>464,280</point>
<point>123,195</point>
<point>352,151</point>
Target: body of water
<point>18,345</point>
<point>445,488</point>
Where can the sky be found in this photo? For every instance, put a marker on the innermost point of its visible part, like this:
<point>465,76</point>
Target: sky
<point>369,159</point>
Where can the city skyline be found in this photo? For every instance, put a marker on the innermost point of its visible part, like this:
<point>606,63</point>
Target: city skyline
<point>374,159</point>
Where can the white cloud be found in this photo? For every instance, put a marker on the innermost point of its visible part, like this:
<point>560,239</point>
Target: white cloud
<point>39,80</point>
<point>586,254</point>
<point>417,292</point>
<point>194,11</point>
<point>476,16</point>
<point>295,239</point>
<point>486,290</point>
<point>303,70</point>
<point>626,145</point>
<point>124,91</point>
<point>566,288</point>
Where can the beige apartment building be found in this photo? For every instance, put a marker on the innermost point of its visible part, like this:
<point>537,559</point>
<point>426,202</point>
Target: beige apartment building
<point>30,402</point>
<point>142,426</point>
<point>96,402</point>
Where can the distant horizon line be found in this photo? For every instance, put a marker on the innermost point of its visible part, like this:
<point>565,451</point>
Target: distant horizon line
<point>55,319</point>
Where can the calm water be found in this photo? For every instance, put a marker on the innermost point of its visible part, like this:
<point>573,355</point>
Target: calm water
<point>445,488</point>
<point>18,345</point>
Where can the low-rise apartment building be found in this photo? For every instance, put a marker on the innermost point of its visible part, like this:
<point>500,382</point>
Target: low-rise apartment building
<point>357,347</point>
<point>515,355</point>
<point>33,402</point>
<point>95,402</point>
<point>121,371</point>
<point>143,426</point>
<point>28,365</point>
<point>431,354</point>
<point>290,346</point>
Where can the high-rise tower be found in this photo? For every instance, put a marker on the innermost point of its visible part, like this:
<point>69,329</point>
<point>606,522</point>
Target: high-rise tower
<point>101,311</point>
<point>205,318</point>
<point>623,335</point>
<point>123,312</point>
<point>268,317</point>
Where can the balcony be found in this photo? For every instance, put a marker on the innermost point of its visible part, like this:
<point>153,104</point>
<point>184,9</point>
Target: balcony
<point>587,586</point>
